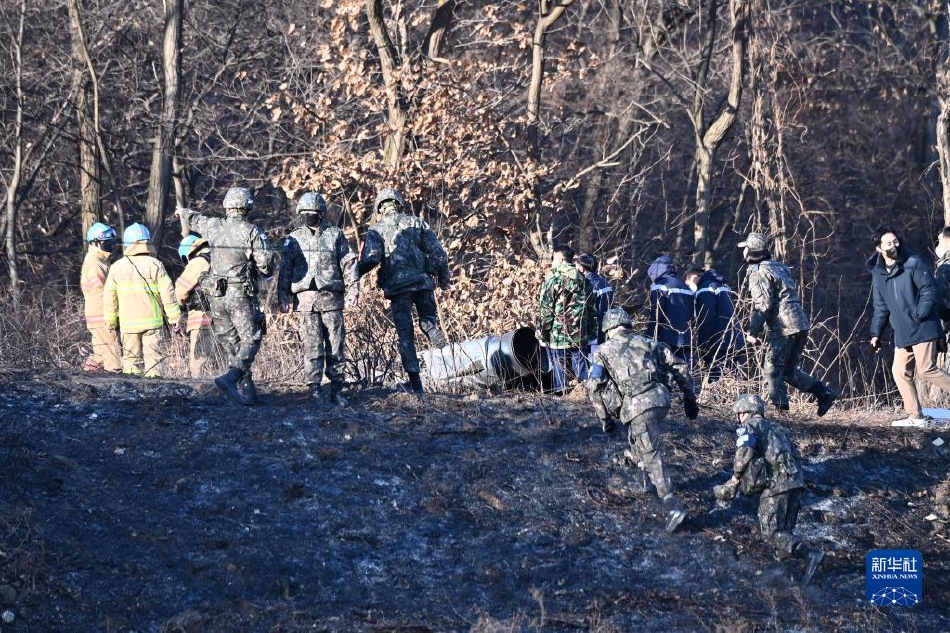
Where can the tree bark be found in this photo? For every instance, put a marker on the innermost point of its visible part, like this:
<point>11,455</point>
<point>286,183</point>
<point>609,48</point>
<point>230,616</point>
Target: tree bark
<point>164,145</point>
<point>89,170</point>
<point>708,139</point>
<point>441,22</point>
<point>540,235</point>
<point>14,185</point>
<point>395,144</point>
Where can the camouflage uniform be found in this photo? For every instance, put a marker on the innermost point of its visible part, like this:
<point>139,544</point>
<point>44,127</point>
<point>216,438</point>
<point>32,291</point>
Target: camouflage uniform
<point>410,259</point>
<point>630,380</point>
<point>239,253</point>
<point>317,267</point>
<point>780,502</point>
<point>776,304</point>
<point>567,321</point>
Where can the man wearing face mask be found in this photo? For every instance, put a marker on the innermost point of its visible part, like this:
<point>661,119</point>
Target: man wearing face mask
<point>92,279</point>
<point>905,296</point>
<point>942,275</point>
<point>318,279</point>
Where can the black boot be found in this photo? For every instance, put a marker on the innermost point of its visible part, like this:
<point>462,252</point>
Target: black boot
<point>824,395</point>
<point>335,397</point>
<point>415,383</point>
<point>248,391</point>
<point>227,383</point>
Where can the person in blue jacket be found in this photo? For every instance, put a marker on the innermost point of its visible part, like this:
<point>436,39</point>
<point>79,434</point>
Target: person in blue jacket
<point>905,296</point>
<point>588,265</point>
<point>718,337</point>
<point>671,308</point>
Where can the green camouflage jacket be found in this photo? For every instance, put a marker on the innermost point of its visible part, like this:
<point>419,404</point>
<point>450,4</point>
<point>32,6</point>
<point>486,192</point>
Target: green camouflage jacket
<point>640,369</point>
<point>568,315</point>
<point>407,252</point>
<point>775,300</point>
<point>239,250</point>
<point>759,439</point>
<point>317,267</point>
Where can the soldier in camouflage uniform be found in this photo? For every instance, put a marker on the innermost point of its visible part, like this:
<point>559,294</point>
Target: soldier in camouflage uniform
<point>318,278</point>
<point>776,304</point>
<point>630,380</point>
<point>410,260</point>
<point>239,254</point>
<point>567,319</point>
<point>766,463</point>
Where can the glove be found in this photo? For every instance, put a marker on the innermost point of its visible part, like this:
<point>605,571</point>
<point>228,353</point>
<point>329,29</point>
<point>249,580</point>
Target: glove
<point>284,307</point>
<point>724,492</point>
<point>751,339</point>
<point>445,284</point>
<point>691,407</point>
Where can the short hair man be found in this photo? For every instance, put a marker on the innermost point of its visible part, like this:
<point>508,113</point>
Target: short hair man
<point>588,264</point>
<point>630,380</point>
<point>717,335</point>
<point>767,464</point>
<point>777,306</point>
<point>95,269</point>
<point>567,318</point>
<point>138,296</point>
<point>905,295</point>
<point>411,261</point>
<point>318,278</point>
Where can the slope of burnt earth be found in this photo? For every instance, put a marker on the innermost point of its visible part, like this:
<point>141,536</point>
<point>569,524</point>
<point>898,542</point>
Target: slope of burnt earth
<point>155,506</point>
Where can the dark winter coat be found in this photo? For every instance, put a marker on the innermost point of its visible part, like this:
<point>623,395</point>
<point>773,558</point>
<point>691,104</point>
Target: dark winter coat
<point>671,304</point>
<point>715,310</point>
<point>603,300</point>
<point>907,298</point>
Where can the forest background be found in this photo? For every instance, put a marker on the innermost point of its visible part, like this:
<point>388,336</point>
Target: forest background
<point>629,128</point>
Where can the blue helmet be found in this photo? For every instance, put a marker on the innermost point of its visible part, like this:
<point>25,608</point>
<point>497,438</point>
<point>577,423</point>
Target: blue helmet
<point>189,245</point>
<point>101,232</point>
<point>135,233</point>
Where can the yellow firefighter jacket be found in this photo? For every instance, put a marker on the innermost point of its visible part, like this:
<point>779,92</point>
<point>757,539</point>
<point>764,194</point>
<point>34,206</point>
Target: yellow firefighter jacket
<point>92,279</point>
<point>136,291</point>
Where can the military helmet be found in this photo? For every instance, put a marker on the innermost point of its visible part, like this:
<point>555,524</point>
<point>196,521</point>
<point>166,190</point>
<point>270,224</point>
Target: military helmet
<point>100,232</point>
<point>189,245</point>
<point>749,403</point>
<point>238,198</point>
<point>389,194</point>
<point>616,317</point>
<point>135,233</point>
<point>311,202</point>
<point>755,242</point>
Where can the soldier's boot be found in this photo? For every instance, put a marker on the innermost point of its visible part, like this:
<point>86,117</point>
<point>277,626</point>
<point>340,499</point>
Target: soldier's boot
<point>248,391</point>
<point>316,393</point>
<point>335,397</point>
<point>675,513</point>
<point>415,382</point>
<point>227,383</point>
<point>812,560</point>
<point>824,395</point>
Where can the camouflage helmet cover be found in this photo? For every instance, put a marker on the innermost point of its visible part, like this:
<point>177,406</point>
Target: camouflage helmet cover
<point>616,317</point>
<point>389,194</point>
<point>755,242</point>
<point>749,403</point>
<point>311,202</point>
<point>238,198</point>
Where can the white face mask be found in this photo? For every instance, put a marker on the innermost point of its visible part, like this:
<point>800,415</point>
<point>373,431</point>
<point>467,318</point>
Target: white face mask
<point>941,249</point>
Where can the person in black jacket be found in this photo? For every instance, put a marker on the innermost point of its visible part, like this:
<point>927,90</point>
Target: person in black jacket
<point>717,334</point>
<point>905,296</point>
<point>588,264</point>
<point>671,308</point>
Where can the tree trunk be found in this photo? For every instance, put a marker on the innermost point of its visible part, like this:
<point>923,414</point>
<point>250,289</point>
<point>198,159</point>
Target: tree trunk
<point>540,235</point>
<point>441,22</point>
<point>395,143</point>
<point>14,185</point>
<point>89,170</point>
<point>164,145</point>
<point>708,140</point>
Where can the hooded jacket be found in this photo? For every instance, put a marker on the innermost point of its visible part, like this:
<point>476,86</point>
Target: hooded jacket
<point>567,318</point>
<point>671,304</point>
<point>603,301</point>
<point>715,313</point>
<point>137,291</point>
<point>906,297</point>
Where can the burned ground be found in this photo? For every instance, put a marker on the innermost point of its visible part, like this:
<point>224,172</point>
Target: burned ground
<point>133,505</point>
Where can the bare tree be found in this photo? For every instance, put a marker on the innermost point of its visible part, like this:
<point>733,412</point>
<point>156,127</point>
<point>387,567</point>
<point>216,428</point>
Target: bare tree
<point>390,61</point>
<point>164,143</point>
<point>13,185</point>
